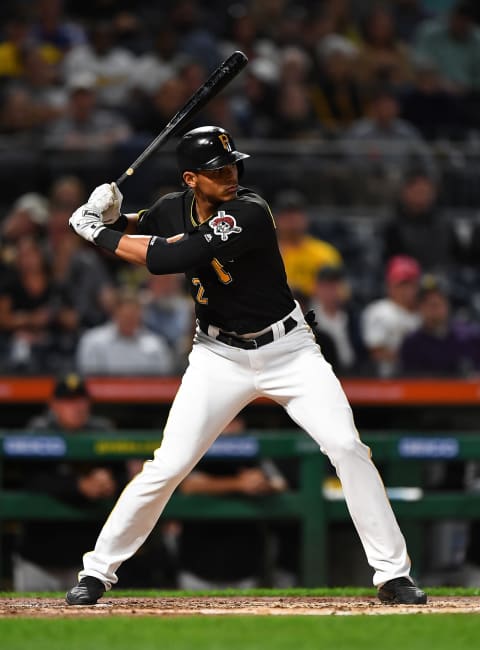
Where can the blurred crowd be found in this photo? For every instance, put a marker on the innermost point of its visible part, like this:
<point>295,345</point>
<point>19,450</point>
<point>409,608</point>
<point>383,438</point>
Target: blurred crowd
<point>82,75</point>
<point>389,85</point>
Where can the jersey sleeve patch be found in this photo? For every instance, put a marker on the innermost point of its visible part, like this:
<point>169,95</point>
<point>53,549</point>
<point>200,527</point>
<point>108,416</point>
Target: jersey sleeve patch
<point>224,225</point>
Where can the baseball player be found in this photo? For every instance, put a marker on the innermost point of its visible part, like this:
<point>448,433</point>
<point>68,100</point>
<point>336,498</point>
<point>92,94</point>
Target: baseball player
<point>251,340</point>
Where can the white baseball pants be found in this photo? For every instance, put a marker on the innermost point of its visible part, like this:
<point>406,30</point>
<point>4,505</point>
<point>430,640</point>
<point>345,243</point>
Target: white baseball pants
<point>219,381</point>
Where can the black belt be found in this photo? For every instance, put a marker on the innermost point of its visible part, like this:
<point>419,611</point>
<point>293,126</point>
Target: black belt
<point>249,344</point>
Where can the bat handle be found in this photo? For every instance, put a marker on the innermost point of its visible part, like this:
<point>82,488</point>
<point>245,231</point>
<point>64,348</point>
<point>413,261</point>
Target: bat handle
<point>130,171</point>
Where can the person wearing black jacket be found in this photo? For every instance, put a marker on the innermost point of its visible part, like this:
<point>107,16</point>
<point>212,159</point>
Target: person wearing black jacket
<point>418,229</point>
<point>47,554</point>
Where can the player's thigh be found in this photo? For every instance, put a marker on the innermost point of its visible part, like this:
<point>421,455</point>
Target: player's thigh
<point>318,404</point>
<point>213,390</point>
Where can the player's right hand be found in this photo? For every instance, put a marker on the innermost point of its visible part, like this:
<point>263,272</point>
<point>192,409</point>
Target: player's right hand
<point>107,200</point>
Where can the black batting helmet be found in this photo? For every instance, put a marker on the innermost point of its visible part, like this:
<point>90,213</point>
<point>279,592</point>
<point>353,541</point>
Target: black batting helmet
<point>208,147</point>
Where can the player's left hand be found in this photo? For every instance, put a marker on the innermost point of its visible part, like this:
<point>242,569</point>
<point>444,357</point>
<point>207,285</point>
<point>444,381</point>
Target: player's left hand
<point>86,222</point>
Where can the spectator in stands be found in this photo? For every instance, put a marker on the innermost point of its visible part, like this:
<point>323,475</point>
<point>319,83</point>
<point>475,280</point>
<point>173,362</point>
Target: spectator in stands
<point>418,229</point>
<point>69,409</point>
<point>21,120</point>
<point>167,311</point>
<point>382,59</point>
<point>336,95</point>
<point>54,30</point>
<point>40,80</point>
<point>430,107</point>
<point>302,254</point>
<point>31,314</point>
<point>318,28</point>
<point>387,321</point>
<point>65,192</point>
<point>440,346</point>
<point>295,65</point>
<point>104,10</point>
<point>453,44</point>
<point>159,64</point>
<point>287,28</point>
<point>196,39</point>
<point>255,107</point>
<point>79,273</point>
<point>334,318</point>
<point>343,22</point>
<point>193,74</point>
<point>243,34</point>
<point>122,346</point>
<point>150,116</point>
<point>382,146</point>
<point>16,41</point>
<point>220,110</point>
<point>212,555</point>
<point>32,101</point>
<point>27,218</point>
<point>46,556</point>
<point>474,254</point>
<point>408,15</point>
<point>473,289</point>
<point>111,68</point>
<point>85,127</point>
<point>295,117</point>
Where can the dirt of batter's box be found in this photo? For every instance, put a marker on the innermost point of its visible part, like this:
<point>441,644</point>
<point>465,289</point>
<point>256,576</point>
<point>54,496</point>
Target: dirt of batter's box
<point>264,606</point>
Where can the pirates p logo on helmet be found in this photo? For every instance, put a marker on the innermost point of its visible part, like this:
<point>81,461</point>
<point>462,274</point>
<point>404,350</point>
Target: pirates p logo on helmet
<point>223,137</point>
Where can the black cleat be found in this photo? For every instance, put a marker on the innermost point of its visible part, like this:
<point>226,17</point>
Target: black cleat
<point>87,592</point>
<point>401,591</point>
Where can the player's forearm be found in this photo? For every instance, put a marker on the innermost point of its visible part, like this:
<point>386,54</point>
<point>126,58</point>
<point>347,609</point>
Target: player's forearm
<point>135,248</point>
<point>161,256</point>
<point>131,248</point>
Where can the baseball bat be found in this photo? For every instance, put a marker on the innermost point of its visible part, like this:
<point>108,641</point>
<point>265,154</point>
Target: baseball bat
<point>222,76</point>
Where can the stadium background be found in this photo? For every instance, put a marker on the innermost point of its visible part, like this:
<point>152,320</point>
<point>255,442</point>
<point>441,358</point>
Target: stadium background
<point>302,109</point>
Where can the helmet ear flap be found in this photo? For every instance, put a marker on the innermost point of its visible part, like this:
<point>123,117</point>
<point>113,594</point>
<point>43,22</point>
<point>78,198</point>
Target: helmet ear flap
<point>241,168</point>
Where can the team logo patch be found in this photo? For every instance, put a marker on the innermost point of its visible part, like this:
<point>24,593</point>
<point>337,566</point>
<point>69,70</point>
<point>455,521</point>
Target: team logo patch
<point>224,225</point>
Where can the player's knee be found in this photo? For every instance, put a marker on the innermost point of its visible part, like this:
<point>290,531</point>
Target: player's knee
<point>345,447</point>
<point>168,469</point>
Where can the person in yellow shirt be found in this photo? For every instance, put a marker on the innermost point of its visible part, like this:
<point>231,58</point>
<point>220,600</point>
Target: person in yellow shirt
<point>303,255</point>
<point>17,43</point>
<point>12,48</point>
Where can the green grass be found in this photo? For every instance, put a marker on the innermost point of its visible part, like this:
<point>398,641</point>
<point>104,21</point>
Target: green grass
<point>443,632</point>
<point>322,591</point>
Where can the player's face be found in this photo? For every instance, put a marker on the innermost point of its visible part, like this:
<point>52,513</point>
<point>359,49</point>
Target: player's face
<point>217,185</point>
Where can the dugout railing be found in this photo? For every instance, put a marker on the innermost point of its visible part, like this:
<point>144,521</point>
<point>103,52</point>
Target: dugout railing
<point>401,456</point>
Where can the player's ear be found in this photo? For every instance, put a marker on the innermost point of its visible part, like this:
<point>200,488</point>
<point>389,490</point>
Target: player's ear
<point>190,179</point>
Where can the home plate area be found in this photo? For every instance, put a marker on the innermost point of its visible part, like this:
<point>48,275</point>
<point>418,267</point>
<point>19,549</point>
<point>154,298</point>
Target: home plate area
<point>232,605</point>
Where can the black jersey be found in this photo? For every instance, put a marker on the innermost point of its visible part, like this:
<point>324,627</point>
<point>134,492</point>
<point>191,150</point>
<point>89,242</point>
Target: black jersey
<point>232,260</point>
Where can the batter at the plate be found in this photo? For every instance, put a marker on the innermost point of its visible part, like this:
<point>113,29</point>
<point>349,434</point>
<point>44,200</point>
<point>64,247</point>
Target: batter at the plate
<point>252,340</point>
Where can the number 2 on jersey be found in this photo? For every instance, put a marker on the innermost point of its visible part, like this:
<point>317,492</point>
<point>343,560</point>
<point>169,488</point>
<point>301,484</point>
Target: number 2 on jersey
<point>223,275</point>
